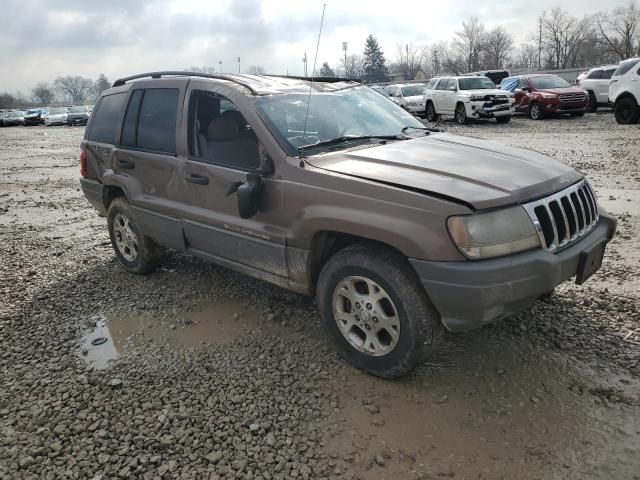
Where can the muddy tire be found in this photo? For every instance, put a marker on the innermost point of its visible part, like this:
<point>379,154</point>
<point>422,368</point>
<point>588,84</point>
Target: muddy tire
<point>376,311</point>
<point>138,254</point>
<point>503,119</point>
<point>461,114</point>
<point>592,103</point>
<point>627,111</point>
<point>430,112</point>
<point>535,111</point>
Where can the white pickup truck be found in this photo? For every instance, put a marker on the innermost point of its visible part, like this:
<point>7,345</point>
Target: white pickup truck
<point>468,97</point>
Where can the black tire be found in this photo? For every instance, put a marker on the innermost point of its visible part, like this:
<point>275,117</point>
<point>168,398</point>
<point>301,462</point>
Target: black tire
<point>503,119</point>
<point>592,104</point>
<point>535,111</point>
<point>419,323</point>
<point>627,111</point>
<point>148,255</point>
<point>430,112</point>
<point>461,114</point>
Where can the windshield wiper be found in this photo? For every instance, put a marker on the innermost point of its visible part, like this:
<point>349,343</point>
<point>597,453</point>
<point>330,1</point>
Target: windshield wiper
<point>426,129</point>
<point>338,140</point>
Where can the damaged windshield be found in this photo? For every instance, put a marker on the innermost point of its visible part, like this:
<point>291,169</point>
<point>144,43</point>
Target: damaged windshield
<point>352,112</point>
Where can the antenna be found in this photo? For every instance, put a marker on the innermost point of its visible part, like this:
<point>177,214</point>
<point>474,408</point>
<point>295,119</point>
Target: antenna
<point>313,72</point>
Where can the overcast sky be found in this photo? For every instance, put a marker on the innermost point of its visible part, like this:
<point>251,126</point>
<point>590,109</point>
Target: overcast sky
<point>42,39</point>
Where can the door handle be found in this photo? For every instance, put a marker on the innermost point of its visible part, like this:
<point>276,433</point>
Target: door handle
<point>128,164</point>
<point>195,178</point>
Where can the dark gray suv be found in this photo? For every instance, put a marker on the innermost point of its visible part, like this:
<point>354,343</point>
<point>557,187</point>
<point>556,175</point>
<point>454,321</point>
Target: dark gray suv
<point>329,189</point>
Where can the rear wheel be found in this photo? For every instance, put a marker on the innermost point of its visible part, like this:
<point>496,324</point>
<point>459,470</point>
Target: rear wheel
<point>430,112</point>
<point>376,311</point>
<point>592,103</point>
<point>626,110</point>
<point>535,111</point>
<point>503,119</point>
<point>461,114</point>
<point>138,254</point>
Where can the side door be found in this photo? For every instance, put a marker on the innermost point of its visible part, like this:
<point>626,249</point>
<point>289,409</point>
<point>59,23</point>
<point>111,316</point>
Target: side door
<point>438,95</point>
<point>602,93</point>
<point>222,149</point>
<point>147,163</point>
<point>522,95</point>
<point>449,97</point>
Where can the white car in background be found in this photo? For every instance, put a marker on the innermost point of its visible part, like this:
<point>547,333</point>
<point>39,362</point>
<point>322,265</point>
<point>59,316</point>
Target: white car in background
<point>596,82</point>
<point>468,97</point>
<point>56,116</point>
<point>624,91</point>
<point>409,96</point>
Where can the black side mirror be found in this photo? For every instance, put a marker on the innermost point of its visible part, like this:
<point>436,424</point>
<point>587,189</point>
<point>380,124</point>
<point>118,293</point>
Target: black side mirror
<point>249,194</point>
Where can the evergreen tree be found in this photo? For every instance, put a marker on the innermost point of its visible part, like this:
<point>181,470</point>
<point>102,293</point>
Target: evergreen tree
<point>374,64</point>
<point>326,70</point>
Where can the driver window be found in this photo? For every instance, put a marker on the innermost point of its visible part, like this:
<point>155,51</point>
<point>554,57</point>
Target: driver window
<point>219,133</point>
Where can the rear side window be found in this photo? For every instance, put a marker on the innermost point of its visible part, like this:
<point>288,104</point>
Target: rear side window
<point>442,84</point>
<point>606,74</point>
<point>105,123</point>
<point>150,121</point>
<point>625,66</point>
<point>595,75</point>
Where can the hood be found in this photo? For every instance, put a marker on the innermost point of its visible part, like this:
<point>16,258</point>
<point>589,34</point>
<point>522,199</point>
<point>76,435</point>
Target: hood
<point>559,91</point>
<point>414,98</point>
<point>476,172</point>
<point>484,91</point>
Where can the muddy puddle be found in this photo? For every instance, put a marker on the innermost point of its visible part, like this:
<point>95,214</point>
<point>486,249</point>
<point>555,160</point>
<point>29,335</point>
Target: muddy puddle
<point>486,409</point>
<point>213,323</point>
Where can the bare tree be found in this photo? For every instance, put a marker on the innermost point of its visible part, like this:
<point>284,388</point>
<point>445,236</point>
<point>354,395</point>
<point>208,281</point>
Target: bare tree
<point>352,67</point>
<point>498,45</point>
<point>256,70</point>
<point>471,43</point>
<point>100,85</point>
<point>74,88</point>
<point>563,36</point>
<point>43,94</point>
<point>408,59</point>
<point>447,59</point>
<point>8,101</point>
<point>527,56</point>
<point>620,30</point>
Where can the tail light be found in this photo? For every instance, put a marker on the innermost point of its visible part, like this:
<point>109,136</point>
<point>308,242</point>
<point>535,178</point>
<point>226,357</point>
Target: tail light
<point>83,162</point>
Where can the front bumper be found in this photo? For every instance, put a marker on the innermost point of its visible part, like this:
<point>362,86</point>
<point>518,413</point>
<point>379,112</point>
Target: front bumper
<point>559,107</point>
<point>77,120</point>
<point>94,192</point>
<point>482,109</point>
<point>470,294</point>
<point>33,121</point>
<point>415,108</point>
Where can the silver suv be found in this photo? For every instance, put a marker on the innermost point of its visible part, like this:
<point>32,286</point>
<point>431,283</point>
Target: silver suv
<point>398,230</point>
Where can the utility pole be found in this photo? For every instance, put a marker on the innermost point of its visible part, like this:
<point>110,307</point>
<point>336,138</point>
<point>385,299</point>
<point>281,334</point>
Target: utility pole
<point>406,46</point>
<point>344,49</point>
<point>220,63</point>
<point>238,64</point>
<point>304,61</point>
<point>540,44</point>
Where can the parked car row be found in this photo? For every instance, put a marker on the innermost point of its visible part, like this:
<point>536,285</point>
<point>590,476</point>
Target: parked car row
<point>74,115</point>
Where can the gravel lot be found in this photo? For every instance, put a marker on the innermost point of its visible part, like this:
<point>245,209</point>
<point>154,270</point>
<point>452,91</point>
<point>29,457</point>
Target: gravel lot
<point>210,374</point>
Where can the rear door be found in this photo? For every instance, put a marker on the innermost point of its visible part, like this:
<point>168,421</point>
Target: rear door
<point>448,98</point>
<point>147,163</point>
<point>438,94</point>
<point>602,85</point>
<point>218,160</point>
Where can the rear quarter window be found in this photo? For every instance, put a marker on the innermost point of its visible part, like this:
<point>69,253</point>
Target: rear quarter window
<point>105,122</point>
<point>625,66</point>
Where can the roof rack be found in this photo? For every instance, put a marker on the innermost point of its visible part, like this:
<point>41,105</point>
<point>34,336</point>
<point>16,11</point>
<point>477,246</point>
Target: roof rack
<point>170,73</point>
<point>318,79</point>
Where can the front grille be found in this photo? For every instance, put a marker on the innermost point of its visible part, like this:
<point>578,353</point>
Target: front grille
<point>564,217</point>
<point>572,97</point>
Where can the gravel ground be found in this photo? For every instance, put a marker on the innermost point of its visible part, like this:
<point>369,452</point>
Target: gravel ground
<point>210,374</point>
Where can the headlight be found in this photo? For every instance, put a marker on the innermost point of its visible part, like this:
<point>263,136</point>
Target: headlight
<point>477,98</point>
<point>493,234</point>
<point>549,95</point>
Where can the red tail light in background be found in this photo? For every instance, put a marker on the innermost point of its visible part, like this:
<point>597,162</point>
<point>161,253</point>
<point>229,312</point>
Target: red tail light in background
<point>83,162</point>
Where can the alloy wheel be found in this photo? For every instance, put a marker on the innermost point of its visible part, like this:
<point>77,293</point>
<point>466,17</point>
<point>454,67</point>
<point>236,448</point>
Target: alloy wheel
<point>125,237</point>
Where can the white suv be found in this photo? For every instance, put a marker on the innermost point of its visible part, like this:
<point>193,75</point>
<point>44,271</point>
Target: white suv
<point>408,96</point>
<point>624,91</point>
<point>596,83</point>
<point>468,97</point>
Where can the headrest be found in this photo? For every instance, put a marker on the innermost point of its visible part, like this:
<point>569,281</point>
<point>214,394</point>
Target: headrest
<point>222,129</point>
<point>237,117</point>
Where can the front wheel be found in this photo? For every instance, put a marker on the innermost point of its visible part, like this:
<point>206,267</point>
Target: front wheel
<point>138,254</point>
<point>376,311</point>
<point>430,112</point>
<point>627,111</point>
<point>535,111</point>
<point>503,119</point>
<point>592,102</point>
<point>461,114</point>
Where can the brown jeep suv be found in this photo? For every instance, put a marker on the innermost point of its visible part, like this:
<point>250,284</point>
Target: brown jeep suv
<point>327,188</point>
